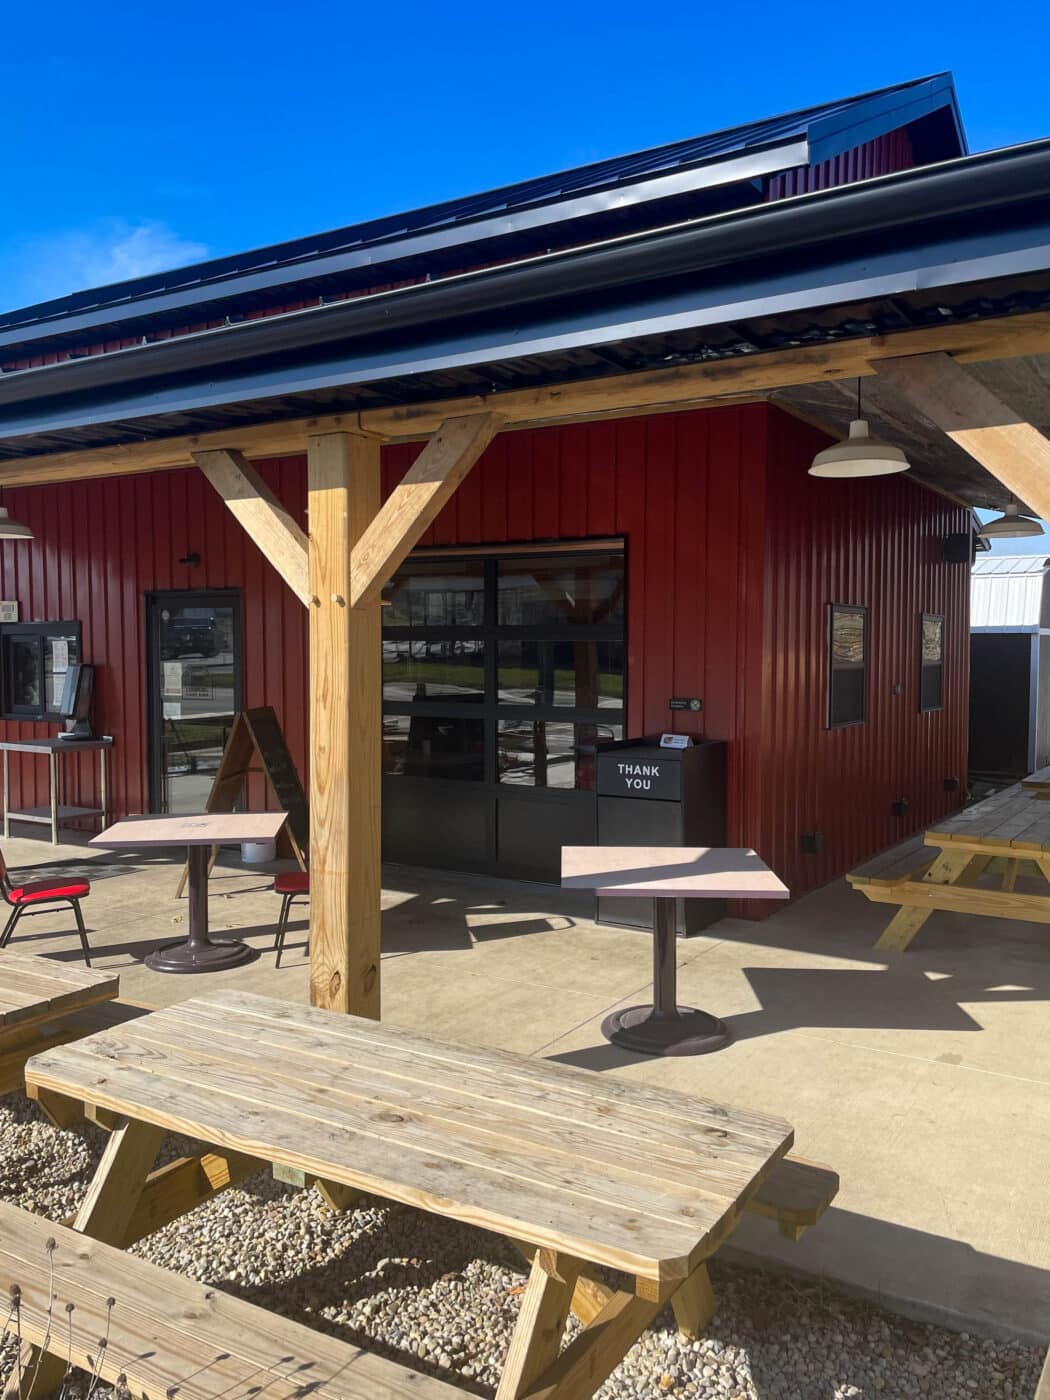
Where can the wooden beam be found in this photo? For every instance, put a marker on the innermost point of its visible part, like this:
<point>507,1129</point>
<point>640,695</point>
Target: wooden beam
<point>975,418</point>
<point>262,515</point>
<point>415,503</point>
<point>682,386</point>
<point>345,731</point>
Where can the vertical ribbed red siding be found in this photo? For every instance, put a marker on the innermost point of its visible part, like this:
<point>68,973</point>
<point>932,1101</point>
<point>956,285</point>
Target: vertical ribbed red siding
<point>883,156</point>
<point>733,554</point>
<point>100,546</point>
<point>875,542</point>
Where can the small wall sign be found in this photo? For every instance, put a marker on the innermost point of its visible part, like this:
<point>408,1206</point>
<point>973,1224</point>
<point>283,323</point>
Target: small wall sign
<point>8,612</point>
<point>638,773</point>
<point>685,702</point>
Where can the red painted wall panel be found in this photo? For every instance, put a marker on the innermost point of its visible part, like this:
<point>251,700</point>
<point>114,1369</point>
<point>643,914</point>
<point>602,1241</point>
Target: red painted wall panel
<point>733,554</point>
<point>875,542</point>
<point>883,156</point>
<point>100,546</point>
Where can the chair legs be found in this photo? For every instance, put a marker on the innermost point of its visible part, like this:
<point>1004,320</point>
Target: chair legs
<point>9,927</point>
<point>20,909</point>
<point>78,915</point>
<point>282,922</point>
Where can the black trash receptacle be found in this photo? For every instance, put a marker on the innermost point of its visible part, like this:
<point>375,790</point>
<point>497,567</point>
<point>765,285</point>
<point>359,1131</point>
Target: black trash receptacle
<point>650,796</point>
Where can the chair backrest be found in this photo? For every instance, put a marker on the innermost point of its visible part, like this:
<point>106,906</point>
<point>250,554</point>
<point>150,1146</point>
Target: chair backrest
<point>5,883</point>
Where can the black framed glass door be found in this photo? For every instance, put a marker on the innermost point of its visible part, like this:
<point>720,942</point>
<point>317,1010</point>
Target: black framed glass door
<point>502,672</point>
<point>194,689</point>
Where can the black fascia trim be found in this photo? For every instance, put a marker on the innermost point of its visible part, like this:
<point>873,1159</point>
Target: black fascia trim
<point>856,271</point>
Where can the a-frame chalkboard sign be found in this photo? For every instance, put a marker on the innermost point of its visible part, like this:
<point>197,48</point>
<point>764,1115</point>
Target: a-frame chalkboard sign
<point>257,745</point>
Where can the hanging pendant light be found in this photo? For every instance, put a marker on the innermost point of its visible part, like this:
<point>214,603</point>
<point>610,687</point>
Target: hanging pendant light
<point>11,529</point>
<point>1010,525</point>
<point>860,454</point>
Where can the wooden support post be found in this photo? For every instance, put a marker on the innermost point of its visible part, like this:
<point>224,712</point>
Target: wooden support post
<point>977,419</point>
<point>345,731</point>
<point>258,510</point>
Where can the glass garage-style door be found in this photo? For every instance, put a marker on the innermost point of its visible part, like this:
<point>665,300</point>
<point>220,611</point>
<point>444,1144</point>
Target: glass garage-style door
<point>501,675</point>
<point>194,689</point>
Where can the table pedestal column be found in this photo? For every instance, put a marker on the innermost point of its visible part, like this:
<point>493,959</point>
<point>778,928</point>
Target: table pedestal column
<point>198,953</point>
<point>665,1028</point>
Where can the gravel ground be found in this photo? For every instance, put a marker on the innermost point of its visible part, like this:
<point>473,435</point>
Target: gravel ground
<point>444,1297</point>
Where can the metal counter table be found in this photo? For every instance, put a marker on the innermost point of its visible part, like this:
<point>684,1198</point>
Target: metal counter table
<point>54,812</point>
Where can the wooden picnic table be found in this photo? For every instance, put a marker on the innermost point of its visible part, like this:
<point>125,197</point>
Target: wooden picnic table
<point>575,1167</point>
<point>1012,827</point>
<point>39,1002</point>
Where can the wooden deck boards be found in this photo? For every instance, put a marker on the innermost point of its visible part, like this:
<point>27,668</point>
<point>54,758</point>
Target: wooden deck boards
<point>636,1179</point>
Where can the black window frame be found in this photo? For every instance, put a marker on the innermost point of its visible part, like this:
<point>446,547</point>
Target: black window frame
<point>852,609</point>
<point>927,667</point>
<point>38,632</point>
<point>489,708</point>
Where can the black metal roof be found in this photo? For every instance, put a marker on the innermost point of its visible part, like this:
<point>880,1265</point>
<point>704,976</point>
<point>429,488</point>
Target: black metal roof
<point>873,258</point>
<point>578,205</point>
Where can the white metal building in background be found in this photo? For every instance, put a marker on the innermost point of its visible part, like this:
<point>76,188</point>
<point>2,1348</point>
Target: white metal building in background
<point>1009,665</point>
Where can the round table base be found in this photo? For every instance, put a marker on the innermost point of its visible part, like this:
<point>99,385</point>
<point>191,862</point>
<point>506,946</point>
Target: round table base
<point>642,1029</point>
<point>198,957</point>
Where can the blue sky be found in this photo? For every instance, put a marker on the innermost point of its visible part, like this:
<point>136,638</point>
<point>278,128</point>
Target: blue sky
<point>141,136</point>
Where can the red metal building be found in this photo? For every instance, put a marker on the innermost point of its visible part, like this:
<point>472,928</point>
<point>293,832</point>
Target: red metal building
<point>721,560</point>
<point>733,556</point>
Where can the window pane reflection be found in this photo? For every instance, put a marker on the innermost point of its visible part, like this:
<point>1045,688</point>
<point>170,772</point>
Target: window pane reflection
<point>546,590</point>
<point>427,746</point>
<point>426,595</point>
<point>550,753</point>
<point>584,673</point>
<point>425,670</point>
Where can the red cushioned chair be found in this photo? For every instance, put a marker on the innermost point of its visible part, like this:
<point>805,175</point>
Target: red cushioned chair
<point>293,885</point>
<point>31,897</point>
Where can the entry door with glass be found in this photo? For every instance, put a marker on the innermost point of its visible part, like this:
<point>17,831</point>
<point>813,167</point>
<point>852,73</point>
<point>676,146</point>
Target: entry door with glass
<point>195,684</point>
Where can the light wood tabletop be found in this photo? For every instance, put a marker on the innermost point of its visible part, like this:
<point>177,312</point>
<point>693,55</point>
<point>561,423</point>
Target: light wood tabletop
<point>195,829</point>
<point>34,989</point>
<point>44,1002</point>
<point>669,872</point>
<point>635,1178</point>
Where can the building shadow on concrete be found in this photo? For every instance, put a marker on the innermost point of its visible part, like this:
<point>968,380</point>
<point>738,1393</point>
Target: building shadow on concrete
<point>793,998</point>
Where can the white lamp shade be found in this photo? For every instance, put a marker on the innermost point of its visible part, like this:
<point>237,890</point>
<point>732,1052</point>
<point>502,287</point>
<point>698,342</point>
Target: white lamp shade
<point>11,529</point>
<point>1010,525</point>
<point>859,455</point>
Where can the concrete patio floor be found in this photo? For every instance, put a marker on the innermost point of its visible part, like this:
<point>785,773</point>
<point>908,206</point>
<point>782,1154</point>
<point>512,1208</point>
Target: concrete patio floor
<point>925,1082</point>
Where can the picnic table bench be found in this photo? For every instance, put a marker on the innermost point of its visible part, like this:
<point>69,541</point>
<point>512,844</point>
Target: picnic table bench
<point>44,1003</point>
<point>169,1335</point>
<point>575,1168</point>
<point>1011,828</point>
<point>1038,782</point>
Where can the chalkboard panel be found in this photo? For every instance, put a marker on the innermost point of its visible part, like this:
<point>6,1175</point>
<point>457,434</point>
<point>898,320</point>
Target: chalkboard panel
<point>272,748</point>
